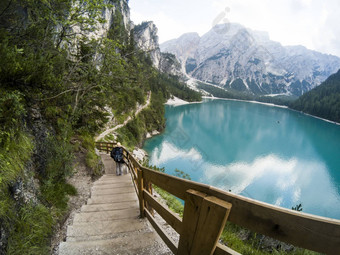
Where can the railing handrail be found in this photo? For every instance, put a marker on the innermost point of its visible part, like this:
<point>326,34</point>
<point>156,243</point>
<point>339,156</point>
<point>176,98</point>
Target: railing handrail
<point>301,229</point>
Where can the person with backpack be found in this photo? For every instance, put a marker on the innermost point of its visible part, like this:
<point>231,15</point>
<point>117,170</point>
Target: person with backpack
<point>117,155</point>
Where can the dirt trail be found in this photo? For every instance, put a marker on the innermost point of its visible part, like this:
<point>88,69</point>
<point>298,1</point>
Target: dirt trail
<point>139,109</point>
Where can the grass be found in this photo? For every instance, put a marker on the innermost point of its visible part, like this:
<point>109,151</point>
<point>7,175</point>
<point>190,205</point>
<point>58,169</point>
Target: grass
<point>171,201</point>
<point>31,231</point>
<point>232,234</point>
<point>13,157</point>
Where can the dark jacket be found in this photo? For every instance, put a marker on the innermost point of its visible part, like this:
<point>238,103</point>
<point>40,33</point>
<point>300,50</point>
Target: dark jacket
<point>117,154</point>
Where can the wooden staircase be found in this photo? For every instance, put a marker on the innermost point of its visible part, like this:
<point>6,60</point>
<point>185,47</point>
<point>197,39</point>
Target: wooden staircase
<point>109,223</point>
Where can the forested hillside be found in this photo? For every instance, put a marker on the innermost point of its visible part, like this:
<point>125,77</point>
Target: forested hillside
<point>322,101</point>
<point>57,80</point>
<point>233,94</point>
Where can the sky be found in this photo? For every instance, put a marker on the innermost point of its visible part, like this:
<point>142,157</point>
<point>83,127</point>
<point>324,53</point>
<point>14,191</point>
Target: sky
<point>314,24</point>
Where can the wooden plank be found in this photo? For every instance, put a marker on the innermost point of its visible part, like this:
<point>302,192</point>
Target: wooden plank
<point>300,229</point>
<point>224,250</point>
<point>212,219</point>
<point>192,208</point>
<point>297,228</point>
<point>170,217</point>
<point>132,169</point>
<point>167,240</point>
<point>174,185</point>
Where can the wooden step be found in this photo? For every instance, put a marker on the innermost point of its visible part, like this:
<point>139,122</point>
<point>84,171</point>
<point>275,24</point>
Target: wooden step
<point>113,191</point>
<point>106,215</point>
<point>108,182</point>
<point>128,244</point>
<point>112,185</point>
<point>110,206</point>
<point>104,199</point>
<point>104,229</point>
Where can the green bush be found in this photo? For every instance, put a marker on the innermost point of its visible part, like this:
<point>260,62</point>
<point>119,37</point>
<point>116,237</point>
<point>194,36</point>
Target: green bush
<point>59,158</point>
<point>32,231</point>
<point>92,159</point>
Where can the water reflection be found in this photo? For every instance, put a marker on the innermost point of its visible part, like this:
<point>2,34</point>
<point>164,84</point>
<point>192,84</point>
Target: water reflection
<point>261,152</point>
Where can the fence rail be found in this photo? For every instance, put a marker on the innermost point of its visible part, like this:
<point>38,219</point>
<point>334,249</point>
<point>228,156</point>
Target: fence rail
<point>206,210</point>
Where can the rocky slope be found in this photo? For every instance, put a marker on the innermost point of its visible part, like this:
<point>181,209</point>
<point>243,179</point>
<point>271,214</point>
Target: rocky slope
<point>232,56</point>
<point>147,39</point>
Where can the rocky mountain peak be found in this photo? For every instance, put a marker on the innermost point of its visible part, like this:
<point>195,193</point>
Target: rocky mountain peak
<point>147,39</point>
<point>235,57</point>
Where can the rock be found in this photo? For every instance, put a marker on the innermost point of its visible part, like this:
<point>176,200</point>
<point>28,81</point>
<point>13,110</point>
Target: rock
<point>155,132</point>
<point>245,60</point>
<point>147,40</point>
<point>139,154</point>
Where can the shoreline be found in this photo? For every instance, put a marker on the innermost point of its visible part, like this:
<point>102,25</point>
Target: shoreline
<point>274,105</point>
<point>248,101</point>
<point>178,102</point>
<point>175,101</point>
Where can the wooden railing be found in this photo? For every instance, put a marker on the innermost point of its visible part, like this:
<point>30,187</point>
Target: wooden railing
<point>206,210</point>
<point>105,146</point>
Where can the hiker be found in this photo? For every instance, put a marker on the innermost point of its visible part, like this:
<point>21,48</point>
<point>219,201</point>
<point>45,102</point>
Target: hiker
<point>117,155</point>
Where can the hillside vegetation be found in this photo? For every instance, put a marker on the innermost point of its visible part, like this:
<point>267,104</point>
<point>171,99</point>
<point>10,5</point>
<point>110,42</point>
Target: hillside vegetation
<point>55,85</point>
<point>322,101</point>
<point>234,94</point>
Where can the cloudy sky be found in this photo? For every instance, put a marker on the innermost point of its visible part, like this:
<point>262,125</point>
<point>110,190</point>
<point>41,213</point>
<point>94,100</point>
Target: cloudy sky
<point>312,23</point>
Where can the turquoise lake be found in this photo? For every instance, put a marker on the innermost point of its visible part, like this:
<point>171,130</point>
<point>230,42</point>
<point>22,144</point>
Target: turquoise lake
<point>266,153</point>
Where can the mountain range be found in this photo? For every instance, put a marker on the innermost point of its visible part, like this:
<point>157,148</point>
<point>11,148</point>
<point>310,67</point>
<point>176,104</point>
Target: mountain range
<point>237,58</point>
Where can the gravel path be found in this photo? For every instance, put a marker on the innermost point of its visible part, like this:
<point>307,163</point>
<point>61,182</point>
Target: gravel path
<point>139,109</point>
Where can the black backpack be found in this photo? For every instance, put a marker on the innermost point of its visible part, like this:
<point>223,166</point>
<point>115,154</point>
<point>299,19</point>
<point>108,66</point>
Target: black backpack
<point>117,154</point>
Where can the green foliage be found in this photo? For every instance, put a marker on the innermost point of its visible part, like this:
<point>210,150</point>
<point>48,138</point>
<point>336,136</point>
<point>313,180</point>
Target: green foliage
<point>149,119</point>
<point>233,94</point>
<point>92,159</point>
<point>174,87</point>
<point>31,231</point>
<point>322,101</point>
<point>49,68</point>
<point>54,189</point>
<point>13,157</point>
<point>182,174</point>
<point>11,112</point>
<point>247,242</point>
<point>15,145</point>
<point>297,208</point>
<point>171,201</point>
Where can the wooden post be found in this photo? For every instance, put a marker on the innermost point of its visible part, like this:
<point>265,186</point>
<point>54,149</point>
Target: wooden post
<point>148,187</point>
<point>140,191</point>
<point>192,208</point>
<point>203,221</point>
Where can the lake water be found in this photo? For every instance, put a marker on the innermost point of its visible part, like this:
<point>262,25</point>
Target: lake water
<point>270,154</point>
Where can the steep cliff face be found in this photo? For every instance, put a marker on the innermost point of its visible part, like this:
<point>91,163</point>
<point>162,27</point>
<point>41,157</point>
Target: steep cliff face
<point>247,60</point>
<point>108,14</point>
<point>99,30</point>
<point>170,65</point>
<point>147,40</point>
<point>184,49</point>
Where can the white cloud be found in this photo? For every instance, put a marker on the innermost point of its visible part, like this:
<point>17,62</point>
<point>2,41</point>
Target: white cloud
<point>283,182</point>
<point>312,23</point>
<point>169,152</point>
